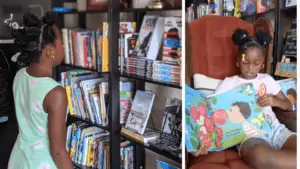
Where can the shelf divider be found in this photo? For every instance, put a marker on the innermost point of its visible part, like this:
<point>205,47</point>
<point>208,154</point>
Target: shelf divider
<point>114,84</point>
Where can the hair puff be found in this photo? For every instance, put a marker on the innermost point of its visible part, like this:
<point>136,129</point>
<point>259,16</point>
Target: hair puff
<point>263,38</point>
<point>240,36</point>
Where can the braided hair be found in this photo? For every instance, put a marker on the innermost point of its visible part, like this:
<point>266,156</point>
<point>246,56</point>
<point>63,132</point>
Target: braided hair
<point>32,36</point>
<point>260,40</point>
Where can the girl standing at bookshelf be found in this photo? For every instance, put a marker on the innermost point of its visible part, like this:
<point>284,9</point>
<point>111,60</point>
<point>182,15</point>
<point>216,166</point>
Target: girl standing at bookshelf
<point>40,102</point>
<point>278,149</point>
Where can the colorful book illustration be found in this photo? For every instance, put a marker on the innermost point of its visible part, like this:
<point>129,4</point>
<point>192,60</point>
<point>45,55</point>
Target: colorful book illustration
<point>163,165</point>
<point>289,88</point>
<point>224,119</point>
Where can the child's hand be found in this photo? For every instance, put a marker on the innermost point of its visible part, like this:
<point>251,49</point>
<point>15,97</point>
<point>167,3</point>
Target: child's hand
<point>201,151</point>
<point>267,100</point>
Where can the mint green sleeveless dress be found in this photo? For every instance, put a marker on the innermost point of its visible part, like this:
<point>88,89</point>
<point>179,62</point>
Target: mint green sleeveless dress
<point>31,149</point>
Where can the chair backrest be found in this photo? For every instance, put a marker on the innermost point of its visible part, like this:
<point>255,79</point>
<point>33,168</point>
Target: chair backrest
<point>212,52</point>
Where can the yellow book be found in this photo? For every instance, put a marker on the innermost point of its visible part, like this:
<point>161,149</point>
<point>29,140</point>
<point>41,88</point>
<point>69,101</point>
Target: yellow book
<point>105,61</point>
<point>90,154</point>
<point>68,90</point>
<point>125,27</point>
<point>237,6</point>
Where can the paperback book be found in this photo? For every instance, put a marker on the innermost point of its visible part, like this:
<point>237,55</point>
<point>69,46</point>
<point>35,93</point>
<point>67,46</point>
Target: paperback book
<point>224,119</point>
<point>140,111</point>
<point>289,89</point>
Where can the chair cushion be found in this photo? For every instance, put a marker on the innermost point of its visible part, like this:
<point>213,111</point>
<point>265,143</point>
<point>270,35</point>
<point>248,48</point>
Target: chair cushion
<point>206,84</point>
<point>226,159</point>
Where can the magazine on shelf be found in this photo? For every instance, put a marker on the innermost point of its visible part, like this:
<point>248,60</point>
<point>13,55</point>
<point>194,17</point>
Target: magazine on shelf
<point>140,111</point>
<point>224,119</point>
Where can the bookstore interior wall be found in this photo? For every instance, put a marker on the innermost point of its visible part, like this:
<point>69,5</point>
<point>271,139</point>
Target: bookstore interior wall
<point>95,21</point>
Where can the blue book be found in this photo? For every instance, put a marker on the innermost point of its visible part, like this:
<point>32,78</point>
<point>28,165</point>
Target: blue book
<point>163,165</point>
<point>224,119</point>
<point>289,88</point>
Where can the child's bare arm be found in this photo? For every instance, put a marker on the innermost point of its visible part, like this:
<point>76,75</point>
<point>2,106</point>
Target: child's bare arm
<point>283,102</point>
<point>279,100</point>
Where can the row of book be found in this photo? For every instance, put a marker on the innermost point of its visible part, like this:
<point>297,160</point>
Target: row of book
<point>196,11</point>
<point>89,48</point>
<point>89,146</point>
<point>154,70</point>
<point>88,94</point>
<point>237,8</point>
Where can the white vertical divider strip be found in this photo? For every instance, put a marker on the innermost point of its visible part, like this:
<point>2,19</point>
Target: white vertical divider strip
<point>183,17</point>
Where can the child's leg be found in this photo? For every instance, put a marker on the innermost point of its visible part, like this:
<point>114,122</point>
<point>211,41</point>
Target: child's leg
<point>278,152</point>
<point>291,143</point>
<point>259,154</point>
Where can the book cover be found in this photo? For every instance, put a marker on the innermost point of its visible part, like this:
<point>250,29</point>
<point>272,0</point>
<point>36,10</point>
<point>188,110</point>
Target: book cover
<point>156,39</point>
<point>289,88</point>
<point>164,165</point>
<point>140,111</point>
<point>172,117</point>
<point>289,3</point>
<point>172,40</point>
<point>145,35</point>
<point>261,6</point>
<point>223,120</point>
<point>250,7</point>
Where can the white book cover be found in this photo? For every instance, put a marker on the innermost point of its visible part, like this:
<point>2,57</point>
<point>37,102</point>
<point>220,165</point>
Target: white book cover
<point>65,35</point>
<point>140,111</point>
<point>289,3</point>
<point>157,38</point>
<point>145,35</point>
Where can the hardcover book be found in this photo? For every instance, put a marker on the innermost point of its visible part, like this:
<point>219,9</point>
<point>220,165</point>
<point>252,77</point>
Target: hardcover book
<point>224,119</point>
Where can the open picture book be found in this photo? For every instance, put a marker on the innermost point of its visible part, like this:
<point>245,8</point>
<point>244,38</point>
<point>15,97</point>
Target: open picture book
<point>224,119</point>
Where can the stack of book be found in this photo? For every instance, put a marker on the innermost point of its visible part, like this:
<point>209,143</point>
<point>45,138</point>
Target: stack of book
<point>166,72</point>
<point>89,146</point>
<point>137,66</point>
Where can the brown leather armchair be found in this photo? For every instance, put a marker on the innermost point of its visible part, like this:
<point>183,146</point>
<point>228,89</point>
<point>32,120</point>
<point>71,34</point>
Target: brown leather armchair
<point>210,51</point>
